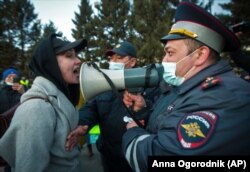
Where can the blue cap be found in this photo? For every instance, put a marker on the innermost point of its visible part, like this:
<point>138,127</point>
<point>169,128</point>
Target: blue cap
<point>192,21</point>
<point>123,49</point>
<point>10,71</point>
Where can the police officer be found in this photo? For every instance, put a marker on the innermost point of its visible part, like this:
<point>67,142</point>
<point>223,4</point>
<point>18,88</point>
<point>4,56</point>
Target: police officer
<point>206,110</point>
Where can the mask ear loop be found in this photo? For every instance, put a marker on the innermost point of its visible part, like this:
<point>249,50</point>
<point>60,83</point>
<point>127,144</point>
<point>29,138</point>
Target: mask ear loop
<point>184,58</point>
<point>187,55</point>
<point>129,59</point>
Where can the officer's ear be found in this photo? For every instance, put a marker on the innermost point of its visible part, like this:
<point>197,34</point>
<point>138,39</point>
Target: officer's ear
<point>132,62</point>
<point>202,55</point>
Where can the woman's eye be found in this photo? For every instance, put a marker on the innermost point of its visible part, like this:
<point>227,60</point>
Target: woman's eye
<point>69,55</point>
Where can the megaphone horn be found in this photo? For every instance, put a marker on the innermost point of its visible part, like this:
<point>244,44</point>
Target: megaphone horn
<point>93,82</point>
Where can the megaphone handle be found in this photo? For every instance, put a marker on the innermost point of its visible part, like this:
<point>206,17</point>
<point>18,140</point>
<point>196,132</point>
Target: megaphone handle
<point>132,115</point>
<point>130,112</point>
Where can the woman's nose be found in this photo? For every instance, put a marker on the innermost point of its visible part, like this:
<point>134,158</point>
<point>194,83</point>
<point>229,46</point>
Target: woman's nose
<point>78,61</point>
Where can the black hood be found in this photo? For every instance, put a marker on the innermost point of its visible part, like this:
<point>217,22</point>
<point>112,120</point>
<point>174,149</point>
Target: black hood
<point>44,63</point>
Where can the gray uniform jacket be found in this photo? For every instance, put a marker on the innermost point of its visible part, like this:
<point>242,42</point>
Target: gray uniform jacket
<point>35,140</point>
<point>208,114</point>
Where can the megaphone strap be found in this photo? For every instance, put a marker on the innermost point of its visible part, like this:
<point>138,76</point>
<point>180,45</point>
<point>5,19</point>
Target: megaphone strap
<point>106,77</point>
<point>130,112</point>
<point>148,73</point>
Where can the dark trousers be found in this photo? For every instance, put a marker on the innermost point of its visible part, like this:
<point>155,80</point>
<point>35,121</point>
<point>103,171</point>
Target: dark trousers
<point>115,164</point>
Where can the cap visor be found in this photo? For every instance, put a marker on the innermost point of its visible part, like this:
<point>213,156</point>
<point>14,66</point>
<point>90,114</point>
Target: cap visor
<point>172,37</point>
<point>109,53</point>
<point>77,45</point>
<point>115,51</point>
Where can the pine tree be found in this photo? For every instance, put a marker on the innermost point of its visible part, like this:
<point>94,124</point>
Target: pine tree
<point>85,27</point>
<point>151,20</point>
<point>50,28</point>
<point>18,30</point>
<point>111,24</point>
<point>238,12</point>
<point>44,32</point>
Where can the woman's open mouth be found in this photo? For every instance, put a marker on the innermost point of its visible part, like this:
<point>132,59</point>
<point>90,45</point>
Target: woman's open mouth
<point>76,70</point>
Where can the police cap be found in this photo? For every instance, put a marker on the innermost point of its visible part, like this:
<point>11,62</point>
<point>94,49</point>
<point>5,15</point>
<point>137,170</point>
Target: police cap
<point>192,21</point>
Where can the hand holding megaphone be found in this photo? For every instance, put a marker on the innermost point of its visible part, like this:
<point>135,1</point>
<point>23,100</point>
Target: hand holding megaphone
<point>134,101</point>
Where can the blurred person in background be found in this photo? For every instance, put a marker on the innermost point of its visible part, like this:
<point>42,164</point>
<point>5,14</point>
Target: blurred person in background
<point>11,89</point>
<point>240,58</point>
<point>10,92</point>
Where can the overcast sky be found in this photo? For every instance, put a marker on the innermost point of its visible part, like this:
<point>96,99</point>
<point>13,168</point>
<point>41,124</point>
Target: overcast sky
<point>61,13</point>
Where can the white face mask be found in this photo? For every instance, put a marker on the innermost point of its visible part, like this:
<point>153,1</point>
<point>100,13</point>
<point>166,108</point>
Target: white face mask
<point>9,83</point>
<point>169,75</point>
<point>116,66</point>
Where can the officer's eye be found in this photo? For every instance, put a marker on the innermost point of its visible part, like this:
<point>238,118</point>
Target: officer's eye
<point>169,53</point>
<point>119,57</point>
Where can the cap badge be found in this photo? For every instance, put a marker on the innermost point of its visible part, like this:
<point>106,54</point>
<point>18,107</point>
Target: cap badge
<point>183,32</point>
<point>118,45</point>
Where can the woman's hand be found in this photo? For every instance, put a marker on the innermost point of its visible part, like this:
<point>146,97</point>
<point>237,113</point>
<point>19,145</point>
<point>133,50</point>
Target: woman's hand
<point>75,136</point>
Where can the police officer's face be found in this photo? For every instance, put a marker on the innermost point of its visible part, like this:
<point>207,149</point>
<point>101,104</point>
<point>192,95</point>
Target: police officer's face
<point>177,51</point>
<point>128,61</point>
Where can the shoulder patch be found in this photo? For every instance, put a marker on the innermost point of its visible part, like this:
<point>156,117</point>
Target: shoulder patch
<point>195,129</point>
<point>210,82</point>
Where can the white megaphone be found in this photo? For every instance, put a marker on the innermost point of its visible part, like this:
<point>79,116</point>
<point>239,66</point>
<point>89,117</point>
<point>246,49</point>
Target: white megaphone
<point>93,82</point>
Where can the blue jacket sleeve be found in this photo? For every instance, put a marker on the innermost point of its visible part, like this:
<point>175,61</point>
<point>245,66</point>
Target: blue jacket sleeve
<point>88,114</point>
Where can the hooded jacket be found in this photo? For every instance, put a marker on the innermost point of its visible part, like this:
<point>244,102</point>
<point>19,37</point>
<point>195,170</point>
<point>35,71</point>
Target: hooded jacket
<point>35,140</point>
